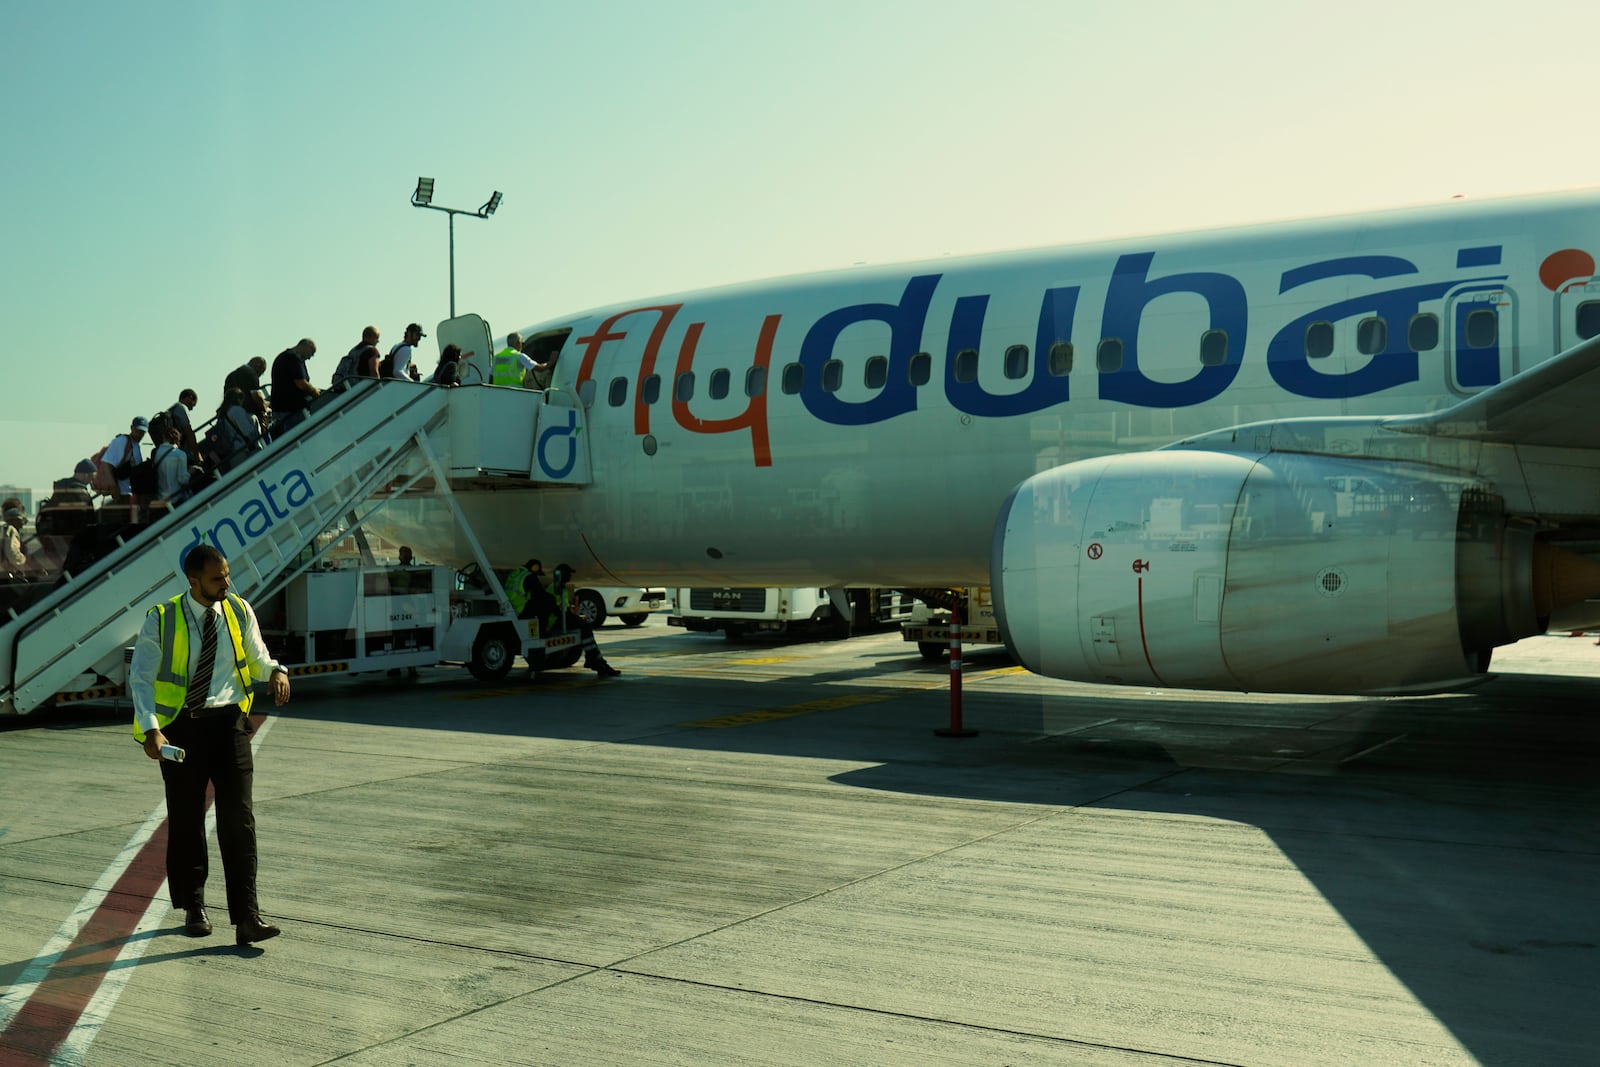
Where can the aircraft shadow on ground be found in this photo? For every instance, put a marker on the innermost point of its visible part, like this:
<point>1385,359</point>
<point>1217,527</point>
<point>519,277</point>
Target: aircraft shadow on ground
<point>1477,898</point>
<point>1476,895</point>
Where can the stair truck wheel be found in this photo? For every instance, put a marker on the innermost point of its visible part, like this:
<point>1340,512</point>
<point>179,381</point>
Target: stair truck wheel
<point>493,653</point>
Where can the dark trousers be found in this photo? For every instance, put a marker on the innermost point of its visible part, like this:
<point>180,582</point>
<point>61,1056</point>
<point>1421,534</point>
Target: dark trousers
<point>586,641</point>
<point>217,754</point>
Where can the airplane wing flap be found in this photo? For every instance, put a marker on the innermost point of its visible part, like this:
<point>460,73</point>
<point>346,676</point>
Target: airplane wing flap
<point>1556,404</point>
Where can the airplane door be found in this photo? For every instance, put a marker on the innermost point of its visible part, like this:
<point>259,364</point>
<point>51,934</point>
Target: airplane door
<point>1578,313</point>
<point>1481,337</point>
<point>472,334</point>
<point>560,445</point>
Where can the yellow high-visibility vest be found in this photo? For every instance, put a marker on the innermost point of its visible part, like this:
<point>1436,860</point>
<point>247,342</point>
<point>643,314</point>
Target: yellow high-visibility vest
<point>505,368</point>
<point>172,677</point>
<point>514,589</point>
<point>563,604</point>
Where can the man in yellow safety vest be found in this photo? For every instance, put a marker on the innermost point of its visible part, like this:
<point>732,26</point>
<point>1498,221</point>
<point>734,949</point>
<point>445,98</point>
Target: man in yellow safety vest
<point>519,592</point>
<point>510,363</point>
<point>191,711</point>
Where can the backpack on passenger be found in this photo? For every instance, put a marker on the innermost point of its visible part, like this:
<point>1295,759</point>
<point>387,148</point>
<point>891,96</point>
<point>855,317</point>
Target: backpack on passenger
<point>142,479</point>
<point>213,455</point>
<point>105,477</point>
<point>160,423</point>
<point>346,368</point>
<point>104,482</point>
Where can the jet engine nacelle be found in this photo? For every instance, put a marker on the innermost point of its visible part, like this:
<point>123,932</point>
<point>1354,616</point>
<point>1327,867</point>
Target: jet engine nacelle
<point>1273,573</point>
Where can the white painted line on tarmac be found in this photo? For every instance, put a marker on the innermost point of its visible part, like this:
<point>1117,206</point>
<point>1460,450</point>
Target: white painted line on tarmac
<point>74,1046</point>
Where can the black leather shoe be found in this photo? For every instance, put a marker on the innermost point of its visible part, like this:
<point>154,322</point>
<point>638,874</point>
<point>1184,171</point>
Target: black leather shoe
<point>195,923</point>
<point>605,670</point>
<point>254,929</point>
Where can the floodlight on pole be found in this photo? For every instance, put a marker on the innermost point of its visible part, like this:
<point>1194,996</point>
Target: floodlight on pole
<point>423,197</point>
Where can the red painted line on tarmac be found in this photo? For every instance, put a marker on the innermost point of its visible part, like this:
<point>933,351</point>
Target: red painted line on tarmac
<point>72,981</point>
<point>51,1013</point>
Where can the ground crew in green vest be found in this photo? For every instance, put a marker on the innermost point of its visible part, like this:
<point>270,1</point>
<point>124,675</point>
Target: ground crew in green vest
<point>194,667</point>
<point>518,590</point>
<point>510,363</point>
<point>564,617</point>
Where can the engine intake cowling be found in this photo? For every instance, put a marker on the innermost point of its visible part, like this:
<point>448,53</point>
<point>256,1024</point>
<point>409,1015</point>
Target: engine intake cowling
<point>1273,573</point>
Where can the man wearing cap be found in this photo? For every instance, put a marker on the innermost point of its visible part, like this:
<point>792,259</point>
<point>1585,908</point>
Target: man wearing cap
<point>75,489</point>
<point>71,504</point>
<point>120,457</point>
<point>13,560</point>
<point>292,391</point>
<point>400,355</point>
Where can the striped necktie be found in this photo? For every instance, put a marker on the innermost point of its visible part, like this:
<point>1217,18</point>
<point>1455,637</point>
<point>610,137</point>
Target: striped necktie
<point>200,681</point>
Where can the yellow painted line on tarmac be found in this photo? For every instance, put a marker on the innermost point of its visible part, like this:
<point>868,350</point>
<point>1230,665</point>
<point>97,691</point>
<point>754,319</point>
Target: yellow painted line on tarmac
<point>488,694</point>
<point>762,662</point>
<point>810,707</point>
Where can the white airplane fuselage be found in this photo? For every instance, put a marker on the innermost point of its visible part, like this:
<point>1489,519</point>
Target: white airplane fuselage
<point>860,476</point>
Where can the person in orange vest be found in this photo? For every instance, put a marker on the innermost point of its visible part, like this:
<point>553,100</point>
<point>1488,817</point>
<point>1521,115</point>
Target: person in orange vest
<point>195,664</point>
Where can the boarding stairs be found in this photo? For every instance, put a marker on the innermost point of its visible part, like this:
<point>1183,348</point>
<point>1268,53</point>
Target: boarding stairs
<point>357,450</point>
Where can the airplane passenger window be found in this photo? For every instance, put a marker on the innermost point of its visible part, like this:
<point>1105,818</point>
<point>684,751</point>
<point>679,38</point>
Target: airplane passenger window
<point>1061,359</point>
<point>1422,333</point>
<point>793,376</point>
<point>617,393</point>
<point>755,382</point>
<point>967,365</point>
<point>1016,365</point>
<point>877,372</point>
<point>683,388</point>
<point>1372,336</point>
<point>1483,327</point>
<point>832,375</point>
<point>718,386</point>
<point>921,368</point>
<point>650,389</point>
<point>1588,321</point>
<point>1214,348</point>
<point>1319,340</point>
<point>1108,357</point>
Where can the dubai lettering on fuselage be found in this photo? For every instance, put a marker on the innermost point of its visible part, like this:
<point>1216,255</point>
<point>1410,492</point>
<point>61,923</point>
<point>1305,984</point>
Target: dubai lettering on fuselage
<point>1133,284</point>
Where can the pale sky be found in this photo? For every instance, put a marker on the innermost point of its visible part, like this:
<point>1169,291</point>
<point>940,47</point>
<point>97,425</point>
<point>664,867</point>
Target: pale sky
<point>192,184</point>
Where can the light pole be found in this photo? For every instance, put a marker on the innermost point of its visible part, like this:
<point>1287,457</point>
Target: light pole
<point>423,197</point>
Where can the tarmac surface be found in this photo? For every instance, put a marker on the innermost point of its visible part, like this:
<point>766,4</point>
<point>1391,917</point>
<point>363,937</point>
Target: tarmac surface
<point>762,854</point>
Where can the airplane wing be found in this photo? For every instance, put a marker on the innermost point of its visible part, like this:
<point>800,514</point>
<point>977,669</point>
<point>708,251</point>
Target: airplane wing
<point>1553,404</point>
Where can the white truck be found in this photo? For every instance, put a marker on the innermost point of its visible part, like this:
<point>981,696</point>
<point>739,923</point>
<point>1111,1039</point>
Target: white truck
<point>349,619</point>
<point>632,606</point>
<point>740,611</point>
<point>929,624</point>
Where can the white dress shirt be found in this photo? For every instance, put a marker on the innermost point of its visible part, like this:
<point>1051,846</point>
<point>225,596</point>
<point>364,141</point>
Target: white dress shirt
<point>172,471</point>
<point>224,679</point>
<point>123,447</point>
